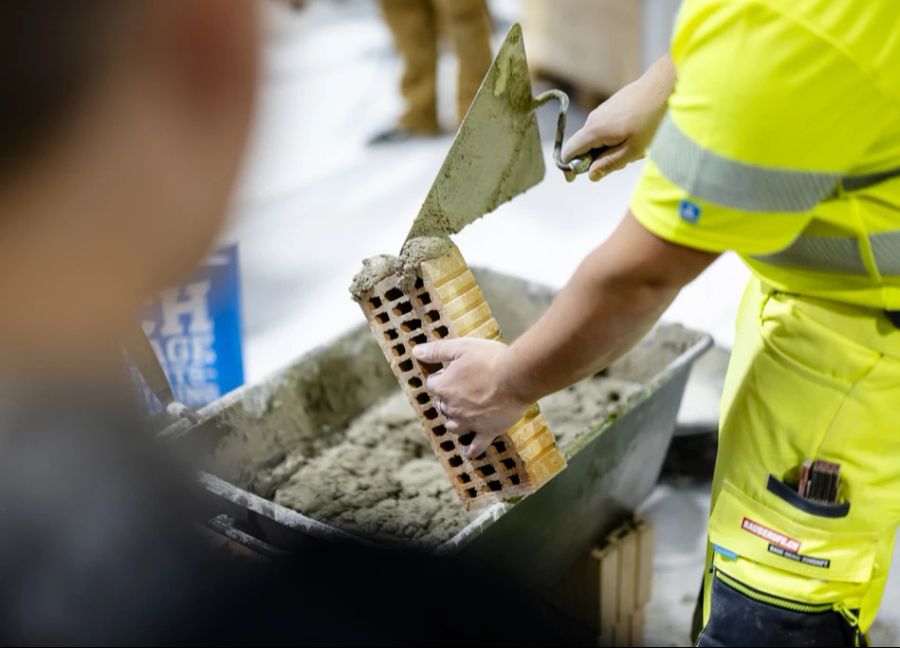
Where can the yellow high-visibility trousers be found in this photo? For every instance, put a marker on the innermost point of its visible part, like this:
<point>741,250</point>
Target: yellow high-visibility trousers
<point>414,26</point>
<point>808,379</point>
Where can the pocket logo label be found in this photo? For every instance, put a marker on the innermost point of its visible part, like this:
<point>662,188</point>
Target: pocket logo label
<point>824,563</point>
<point>770,535</point>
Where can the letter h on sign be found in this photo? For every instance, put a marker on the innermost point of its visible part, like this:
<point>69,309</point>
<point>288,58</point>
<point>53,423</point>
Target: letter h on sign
<point>195,329</point>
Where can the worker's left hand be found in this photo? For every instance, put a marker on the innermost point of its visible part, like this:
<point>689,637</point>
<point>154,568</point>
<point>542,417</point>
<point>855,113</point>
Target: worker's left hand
<point>471,390</point>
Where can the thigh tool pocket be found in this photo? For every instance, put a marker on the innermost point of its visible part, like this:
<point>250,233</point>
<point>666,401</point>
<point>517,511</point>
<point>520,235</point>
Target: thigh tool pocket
<point>809,559</point>
<point>809,542</point>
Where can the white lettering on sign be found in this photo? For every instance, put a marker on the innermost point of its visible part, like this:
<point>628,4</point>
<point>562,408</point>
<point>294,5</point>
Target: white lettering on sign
<point>184,341</point>
<point>776,538</point>
<point>193,307</point>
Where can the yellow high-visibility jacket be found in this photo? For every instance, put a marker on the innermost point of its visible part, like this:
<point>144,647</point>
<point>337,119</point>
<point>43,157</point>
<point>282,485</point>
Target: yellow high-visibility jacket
<point>782,143</point>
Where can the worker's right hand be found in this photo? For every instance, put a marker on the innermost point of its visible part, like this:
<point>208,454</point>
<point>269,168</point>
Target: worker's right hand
<point>625,123</point>
<point>472,391</point>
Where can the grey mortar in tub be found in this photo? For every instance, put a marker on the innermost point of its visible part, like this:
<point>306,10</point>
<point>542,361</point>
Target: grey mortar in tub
<point>374,475</point>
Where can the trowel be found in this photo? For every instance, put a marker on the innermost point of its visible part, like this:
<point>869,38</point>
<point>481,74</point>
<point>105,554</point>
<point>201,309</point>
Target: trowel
<point>497,153</point>
<point>429,293</point>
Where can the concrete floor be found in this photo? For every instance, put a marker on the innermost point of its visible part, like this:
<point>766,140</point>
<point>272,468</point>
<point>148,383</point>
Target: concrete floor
<point>314,201</point>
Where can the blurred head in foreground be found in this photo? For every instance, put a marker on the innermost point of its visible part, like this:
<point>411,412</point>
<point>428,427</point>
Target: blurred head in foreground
<point>121,131</point>
<point>122,126</point>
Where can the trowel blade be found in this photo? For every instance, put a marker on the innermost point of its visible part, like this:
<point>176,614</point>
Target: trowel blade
<point>496,154</point>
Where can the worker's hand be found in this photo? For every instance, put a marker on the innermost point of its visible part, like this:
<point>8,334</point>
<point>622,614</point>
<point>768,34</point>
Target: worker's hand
<point>470,390</point>
<point>625,123</point>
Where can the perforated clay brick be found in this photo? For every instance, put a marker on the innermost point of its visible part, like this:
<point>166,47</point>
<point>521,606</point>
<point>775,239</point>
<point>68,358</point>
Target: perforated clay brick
<point>445,302</point>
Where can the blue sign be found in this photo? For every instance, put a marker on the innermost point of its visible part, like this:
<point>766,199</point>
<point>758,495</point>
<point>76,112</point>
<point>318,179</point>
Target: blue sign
<point>689,211</point>
<point>195,329</point>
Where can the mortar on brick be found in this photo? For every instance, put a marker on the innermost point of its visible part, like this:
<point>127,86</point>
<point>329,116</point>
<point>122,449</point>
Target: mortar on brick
<point>415,250</point>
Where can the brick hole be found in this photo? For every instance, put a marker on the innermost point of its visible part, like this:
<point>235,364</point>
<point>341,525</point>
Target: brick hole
<point>514,480</point>
<point>415,382</point>
<point>456,461</point>
<point>376,302</point>
<point>481,457</point>
<point>425,299</point>
<point>463,478</point>
<point>471,492</point>
<point>391,335</point>
<point>486,470</point>
<point>393,294</point>
<point>614,396</point>
<point>406,365</point>
<point>447,446</point>
<point>442,331</point>
<point>430,413</point>
<point>432,316</point>
<point>419,283</point>
<point>495,485</point>
<point>509,464</point>
<point>423,398</point>
<point>403,308</point>
<point>499,446</point>
<point>399,350</point>
<point>411,325</point>
<point>383,318</point>
<point>429,368</point>
<point>439,430</point>
<point>421,338</point>
<point>467,438</point>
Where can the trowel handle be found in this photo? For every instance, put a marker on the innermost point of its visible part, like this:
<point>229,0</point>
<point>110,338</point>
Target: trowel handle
<point>583,162</point>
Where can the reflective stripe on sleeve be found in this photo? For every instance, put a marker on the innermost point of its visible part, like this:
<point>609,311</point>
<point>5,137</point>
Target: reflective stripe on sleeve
<point>711,177</point>
<point>886,250</point>
<point>716,179</point>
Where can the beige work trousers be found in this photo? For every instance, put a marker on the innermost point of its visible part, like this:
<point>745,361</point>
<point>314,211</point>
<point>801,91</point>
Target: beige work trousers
<point>415,25</point>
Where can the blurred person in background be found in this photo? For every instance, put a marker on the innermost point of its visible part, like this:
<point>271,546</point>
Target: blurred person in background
<point>416,26</point>
<point>122,128</point>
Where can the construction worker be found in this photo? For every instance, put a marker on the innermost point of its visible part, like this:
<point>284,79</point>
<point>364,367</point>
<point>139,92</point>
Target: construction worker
<point>415,26</point>
<point>780,140</point>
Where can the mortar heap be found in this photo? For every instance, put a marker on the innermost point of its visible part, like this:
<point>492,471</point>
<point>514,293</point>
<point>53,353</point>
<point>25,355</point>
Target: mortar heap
<point>427,293</point>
